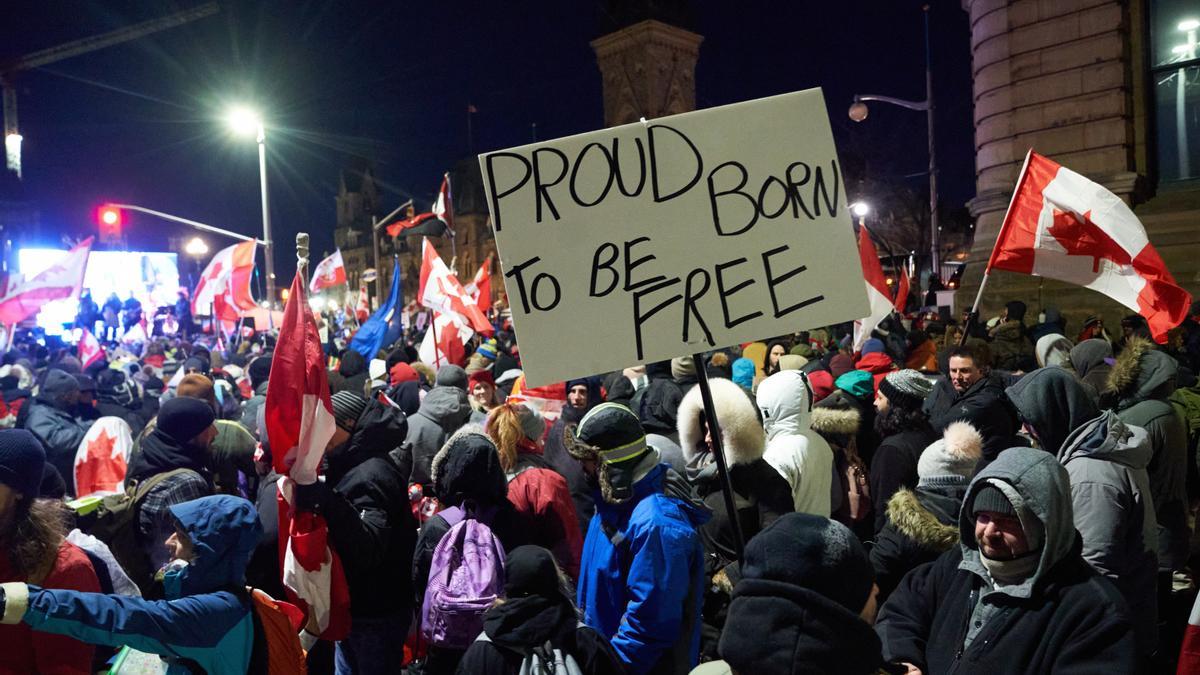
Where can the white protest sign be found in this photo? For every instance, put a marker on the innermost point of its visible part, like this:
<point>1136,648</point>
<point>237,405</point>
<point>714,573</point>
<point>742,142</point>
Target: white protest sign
<point>653,240</point>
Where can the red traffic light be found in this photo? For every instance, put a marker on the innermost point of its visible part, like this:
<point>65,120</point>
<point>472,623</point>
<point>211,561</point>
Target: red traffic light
<point>110,216</point>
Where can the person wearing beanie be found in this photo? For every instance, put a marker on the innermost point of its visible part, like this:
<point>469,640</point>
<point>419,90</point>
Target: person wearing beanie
<point>537,624</point>
<point>743,374</point>
<point>34,549</point>
<point>402,372</point>
<point>872,346</point>
<point>451,375</point>
<point>259,370</point>
<point>799,454</point>
<point>364,500</point>
<point>207,622</point>
<point>641,580</point>
<point>922,521</point>
<point>53,420</point>
<point>904,430</point>
<point>1015,595</point>
<point>805,603</point>
<point>482,392</point>
<point>1010,344</point>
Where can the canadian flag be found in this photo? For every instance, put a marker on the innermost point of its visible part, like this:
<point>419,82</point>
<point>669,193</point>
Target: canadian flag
<point>450,344</point>
<point>90,350</point>
<point>480,288</point>
<point>1189,652</point>
<point>61,280</point>
<point>102,457</point>
<point>227,277</point>
<point>1063,226</point>
<point>879,296</point>
<point>299,423</point>
<point>330,272</point>
<point>441,291</point>
<point>443,208</point>
<point>902,289</point>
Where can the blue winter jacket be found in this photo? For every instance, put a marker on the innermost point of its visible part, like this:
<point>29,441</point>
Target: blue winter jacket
<point>206,619</point>
<point>641,583</point>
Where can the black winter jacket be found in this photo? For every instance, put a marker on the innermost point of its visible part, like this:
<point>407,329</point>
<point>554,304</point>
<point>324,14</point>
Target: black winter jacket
<point>985,407</point>
<point>921,525</point>
<point>894,466</point>
<point>761,495</point>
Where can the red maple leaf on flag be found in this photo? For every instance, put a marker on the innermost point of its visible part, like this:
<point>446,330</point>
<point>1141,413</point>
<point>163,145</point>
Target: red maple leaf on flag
<point>99,470</point>
<point>1080,236</point>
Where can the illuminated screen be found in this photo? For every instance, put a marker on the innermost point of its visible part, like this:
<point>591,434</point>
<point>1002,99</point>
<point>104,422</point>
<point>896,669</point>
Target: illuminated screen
<point>151,277</point>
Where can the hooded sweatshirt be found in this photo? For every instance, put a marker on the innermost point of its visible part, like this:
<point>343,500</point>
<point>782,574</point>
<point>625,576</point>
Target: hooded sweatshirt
<point>443,411</point>
<point>206,617</point>
<point>1054,404</point>
<point>1090,360</point>
<point>1062,617</point>
<point>1053,349</point>
<point>797,452</point>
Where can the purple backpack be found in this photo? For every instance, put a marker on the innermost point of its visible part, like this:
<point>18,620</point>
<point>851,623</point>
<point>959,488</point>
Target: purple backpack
<point>465,578</point>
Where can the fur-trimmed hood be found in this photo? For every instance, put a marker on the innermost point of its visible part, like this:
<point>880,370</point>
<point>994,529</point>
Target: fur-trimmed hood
<point>914,520</point>
<point>1141,373</point>
<point>836,421</point>
<point>741,434</point>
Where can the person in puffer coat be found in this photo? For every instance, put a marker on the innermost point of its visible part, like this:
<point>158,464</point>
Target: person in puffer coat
<point>442,412</point>
<point>51,420</point>
<point>797,452</point>
<point>922,523</point>
<point>204,625</point>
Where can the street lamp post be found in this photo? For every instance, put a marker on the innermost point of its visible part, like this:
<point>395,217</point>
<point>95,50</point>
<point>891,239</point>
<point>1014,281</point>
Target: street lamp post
<point>858,113</point>
<point>247,121</point>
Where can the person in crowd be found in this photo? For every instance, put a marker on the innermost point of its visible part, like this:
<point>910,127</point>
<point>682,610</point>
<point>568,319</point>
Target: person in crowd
<point>904,427</point>
<point>1053,349</point>
<point>641,582</point>
<point>800,455</point>
<point>974,395</point>
<point>1011,348</point>
<point>259,370</point>
<point>1092,361</point>
<point>451,375</point>
<point>117,396</point>
<point>51,419</point>
<point>584,393</point>
<point>805,603</point>
<point>34,550</point>
<point>539,493</point>
<point>208,621</point>
<point>761,494</point>
<point>178,444</point>
<point>922,522</point>
<point>743,374</point>
<point>1133,327</point>
<point>1050,321</point>
<point>405,388</point>
<point>922,352</point>
<point>1140,384</point>
<point>877,363</point>
<point>536,625</point>
<point>371,527</point>
<point>482,394</point>
<point>555,452</point>
<point>838,422</point>
<point>1015,596</point>
<point>1093,329</point>
<point>775,351</point>
<point>443,410</point>
<point>657,402</point>
<point>853,390</point>
<point>231,459</point>
<point>351,374</point>
<point>683,372</point>
<point>85,408</point>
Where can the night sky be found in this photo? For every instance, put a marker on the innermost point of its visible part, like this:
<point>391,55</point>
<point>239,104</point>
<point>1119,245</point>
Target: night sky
<point>143,122</point>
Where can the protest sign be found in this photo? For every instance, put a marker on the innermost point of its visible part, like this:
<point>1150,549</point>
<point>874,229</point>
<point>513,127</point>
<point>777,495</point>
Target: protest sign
<point>674,236</point>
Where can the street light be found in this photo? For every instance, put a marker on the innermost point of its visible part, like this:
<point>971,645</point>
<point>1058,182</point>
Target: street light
<point>858,112</point>
<point>196,247</point>
<point>246,121</point>
<point>860,209</point>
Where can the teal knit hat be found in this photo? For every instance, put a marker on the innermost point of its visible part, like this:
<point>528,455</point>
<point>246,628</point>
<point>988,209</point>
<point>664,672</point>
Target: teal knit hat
<point>857,383</point>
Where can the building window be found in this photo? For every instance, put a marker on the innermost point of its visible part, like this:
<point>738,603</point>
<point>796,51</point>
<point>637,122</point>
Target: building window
<point>1175,71</point>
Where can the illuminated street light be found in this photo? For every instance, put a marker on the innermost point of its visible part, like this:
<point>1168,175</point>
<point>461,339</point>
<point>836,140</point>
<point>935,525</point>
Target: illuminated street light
<point>196,247</point>
<point>1189,24</point>
<point>246,121</point>
<point>860,209</point>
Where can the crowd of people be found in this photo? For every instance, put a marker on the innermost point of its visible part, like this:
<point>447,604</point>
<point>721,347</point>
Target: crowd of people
<point>988,497</point>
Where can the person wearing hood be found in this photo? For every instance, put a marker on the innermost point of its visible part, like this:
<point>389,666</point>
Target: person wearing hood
<point>641,581</point>
<point>975,395</point>
<point>536,619</point>
<point>371,527</point>
<point>538,492</point>
<point>1140,384</point>
<point>442,412</point>
<point>878,364</point>
<point>259,370</point>
<point>1053,349</point>
<point>805,603</point>
<point>1011,348</point>
<point>351,374</point>
<point>904,427</point>
<point>1016,595</point>
<point>451,375</point>
<point>117,396</point>
<point>178,445</point>
<point>207,621</point>
<point>922,522</point>
<point>761,494</point>
<point>51,419</point>
<point>798,453</point>
<point>1092,361</point>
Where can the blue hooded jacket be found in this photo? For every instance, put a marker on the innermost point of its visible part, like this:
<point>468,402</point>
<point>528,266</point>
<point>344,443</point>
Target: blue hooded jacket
<point>641,583</point>
<point>206,619</point>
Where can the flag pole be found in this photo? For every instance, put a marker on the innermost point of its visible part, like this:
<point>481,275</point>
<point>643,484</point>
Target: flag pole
<point>973,317</point>
<point>437,354</point>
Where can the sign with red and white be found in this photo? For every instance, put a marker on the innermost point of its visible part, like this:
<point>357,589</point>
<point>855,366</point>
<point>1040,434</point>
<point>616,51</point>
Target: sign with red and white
<point>61,280</point>
<point>330,272</point>
<point>228,277</point>
<point>1063,226</point>
<point>441,291</point>
<point>90,350</point>
<point>878,294</point>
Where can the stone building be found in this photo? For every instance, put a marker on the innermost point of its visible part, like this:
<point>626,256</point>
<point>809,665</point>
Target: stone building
<point>357,205</point>
<point>1108,88</point>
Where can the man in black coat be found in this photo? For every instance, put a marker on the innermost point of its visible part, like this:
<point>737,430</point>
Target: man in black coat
<point>364,499</point>
<point>976,396</point>
<point>1016,596</point>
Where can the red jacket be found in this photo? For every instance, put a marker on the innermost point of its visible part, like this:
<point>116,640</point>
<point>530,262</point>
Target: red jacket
<point>29,651</point>
<point>540,494</point>
<point>878,364</point>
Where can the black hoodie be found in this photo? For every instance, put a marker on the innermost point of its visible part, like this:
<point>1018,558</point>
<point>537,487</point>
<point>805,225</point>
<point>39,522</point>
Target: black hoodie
<point>1052,402</point>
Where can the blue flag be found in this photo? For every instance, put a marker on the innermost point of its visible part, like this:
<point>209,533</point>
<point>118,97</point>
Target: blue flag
<point>384,327</point>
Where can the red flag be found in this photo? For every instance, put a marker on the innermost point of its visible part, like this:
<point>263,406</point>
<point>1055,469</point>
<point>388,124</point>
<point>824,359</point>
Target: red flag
<point>422,223</point>
<point>878,294</point>
<point>61,280</point>
<point>90,350</point>
<point>329,272</point>
<point>1189,652</point>
<point>480,288</point>
<point>227,275</point>
<point>299,423</point>
<point>1063,226</point>
<point>902,290</point>
<point>440,290</point>
<point>443,208</point>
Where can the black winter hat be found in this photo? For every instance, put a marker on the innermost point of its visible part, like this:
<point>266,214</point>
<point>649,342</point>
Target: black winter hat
<point>347,407</point>
<point>260,369</point>
<point>614,431</point>
<point>183,418</point>
<point>812,552</point>
<point>198,364</point>
<point>21,461</point>
<point>991,499</point>
<point>530,570</point>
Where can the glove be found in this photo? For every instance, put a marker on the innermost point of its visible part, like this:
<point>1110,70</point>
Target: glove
<point>310,497</point>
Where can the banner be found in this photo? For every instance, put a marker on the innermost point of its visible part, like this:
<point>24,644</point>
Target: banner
<point>673,236</point>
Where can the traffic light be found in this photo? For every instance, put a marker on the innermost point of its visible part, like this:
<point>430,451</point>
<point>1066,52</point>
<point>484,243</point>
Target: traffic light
<point>110,220</point>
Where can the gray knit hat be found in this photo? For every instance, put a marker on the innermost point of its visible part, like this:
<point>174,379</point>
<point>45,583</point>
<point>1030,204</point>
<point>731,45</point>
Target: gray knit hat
<point>347,406</point>
<point>954,455</point>
<point>906,388</point>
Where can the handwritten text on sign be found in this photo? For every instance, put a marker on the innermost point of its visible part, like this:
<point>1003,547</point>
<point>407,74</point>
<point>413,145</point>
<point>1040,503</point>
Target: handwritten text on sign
<point>650,241</point>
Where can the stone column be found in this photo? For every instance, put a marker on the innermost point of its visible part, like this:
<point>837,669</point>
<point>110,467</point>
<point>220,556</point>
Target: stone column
<point>648,70</point>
